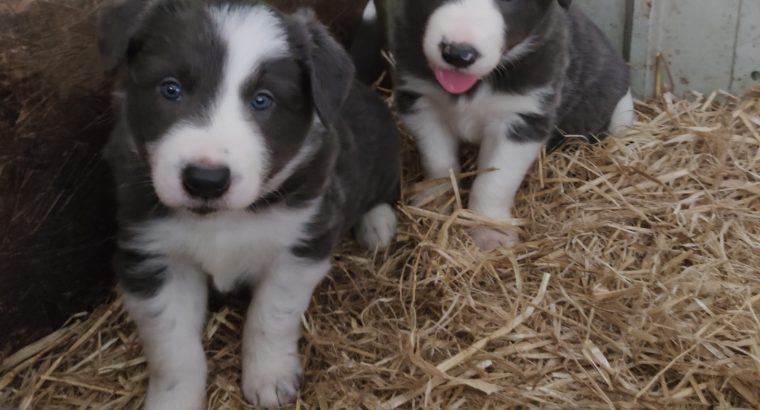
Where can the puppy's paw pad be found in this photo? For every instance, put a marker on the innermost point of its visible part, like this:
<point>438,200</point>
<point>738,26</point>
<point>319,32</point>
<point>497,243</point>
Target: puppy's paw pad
<point>177,390</point>
<point>272,385</point>
<point>489,238</point>
<point>377,227</point>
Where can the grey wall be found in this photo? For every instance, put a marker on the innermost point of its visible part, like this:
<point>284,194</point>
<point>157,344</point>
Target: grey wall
<point>707,44</point>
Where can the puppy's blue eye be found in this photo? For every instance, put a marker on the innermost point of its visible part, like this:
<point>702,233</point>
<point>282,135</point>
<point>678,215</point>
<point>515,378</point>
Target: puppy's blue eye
<point>263,100</point>
<point>171,90</point>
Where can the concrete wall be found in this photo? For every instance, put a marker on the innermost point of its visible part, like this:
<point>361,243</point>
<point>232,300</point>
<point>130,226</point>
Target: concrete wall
<point>611,16</point>
<point>705,44</point>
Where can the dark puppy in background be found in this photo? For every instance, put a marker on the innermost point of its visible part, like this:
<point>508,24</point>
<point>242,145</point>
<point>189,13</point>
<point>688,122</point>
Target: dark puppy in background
<point>243,151</point>
<point>509,75</point>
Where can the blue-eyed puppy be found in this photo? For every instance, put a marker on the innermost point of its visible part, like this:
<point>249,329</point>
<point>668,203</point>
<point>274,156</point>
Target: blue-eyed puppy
<point>243,151</point>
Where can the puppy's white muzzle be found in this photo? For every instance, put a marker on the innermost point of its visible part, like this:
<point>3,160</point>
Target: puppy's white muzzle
<point>463,42</point>
<point>199,167</point>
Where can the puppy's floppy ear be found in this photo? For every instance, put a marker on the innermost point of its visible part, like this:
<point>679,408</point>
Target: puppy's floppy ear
<point>565,3</point>
<point>331,71</point>
<point>117,22</point>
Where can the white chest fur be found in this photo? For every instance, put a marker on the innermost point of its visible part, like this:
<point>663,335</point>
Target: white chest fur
<point>469,119</point>
<point>231,247</point>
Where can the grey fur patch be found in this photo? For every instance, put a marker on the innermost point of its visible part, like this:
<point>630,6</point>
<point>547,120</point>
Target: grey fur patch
<point>568,54</point>
<point>354,163</point>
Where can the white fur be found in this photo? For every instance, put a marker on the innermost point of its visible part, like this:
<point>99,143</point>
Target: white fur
<point>493,192</point>
<point>377,227</point>
<point>170,325</point>
<point>623,116</point>
<point>228,139</point>
<point>468,118</point>
<point>271,365</point>
<point>502,164</point>
<point>370,12</point>
<point>437,143</point>
<point>489,238</point>
<point>232,247</point>
<point>475,22</point>
<point>439,123</point>
<point>520,50</point>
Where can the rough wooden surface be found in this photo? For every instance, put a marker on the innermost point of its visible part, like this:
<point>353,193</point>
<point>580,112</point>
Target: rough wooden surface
<point>56,212</point>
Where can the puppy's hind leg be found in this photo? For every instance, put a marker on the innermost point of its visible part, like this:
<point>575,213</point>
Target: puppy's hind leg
<point>376,228</point>
<point>623,116</point>
<point>169,320</point>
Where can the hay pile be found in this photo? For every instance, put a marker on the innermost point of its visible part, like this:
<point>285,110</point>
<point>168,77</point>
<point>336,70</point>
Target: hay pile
<point>637,286</point>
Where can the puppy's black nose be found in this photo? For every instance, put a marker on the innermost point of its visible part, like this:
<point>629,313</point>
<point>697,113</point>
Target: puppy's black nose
<point>459,55</point>
<point>206,183</point>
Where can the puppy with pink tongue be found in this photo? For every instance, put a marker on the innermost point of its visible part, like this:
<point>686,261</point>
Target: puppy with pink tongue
<point>508,75</point>
<point>455,82</point>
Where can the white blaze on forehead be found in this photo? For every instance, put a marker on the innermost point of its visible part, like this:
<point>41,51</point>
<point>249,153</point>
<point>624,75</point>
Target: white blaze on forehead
<point>251,36</point>
<point>475,22</point>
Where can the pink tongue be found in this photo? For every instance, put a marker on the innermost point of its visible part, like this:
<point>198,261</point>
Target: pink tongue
<point>455,82</point>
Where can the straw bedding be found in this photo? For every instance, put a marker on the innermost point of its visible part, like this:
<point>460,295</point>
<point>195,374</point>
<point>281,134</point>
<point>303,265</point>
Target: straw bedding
<point>637,286</point>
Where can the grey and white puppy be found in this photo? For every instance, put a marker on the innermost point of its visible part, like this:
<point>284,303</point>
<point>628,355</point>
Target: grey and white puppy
<point>243,151</point>
<point>509,75</point>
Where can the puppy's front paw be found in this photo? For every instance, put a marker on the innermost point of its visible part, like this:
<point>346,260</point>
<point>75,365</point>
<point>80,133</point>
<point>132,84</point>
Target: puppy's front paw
<point>272,382</point>
<point>489,238</point>
<point>166,394</point>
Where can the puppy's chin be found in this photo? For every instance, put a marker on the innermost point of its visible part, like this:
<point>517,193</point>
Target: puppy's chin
<point>196,209</point>
<point>203,210</point>
<point>192,207</point>
<point>237,199</point>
